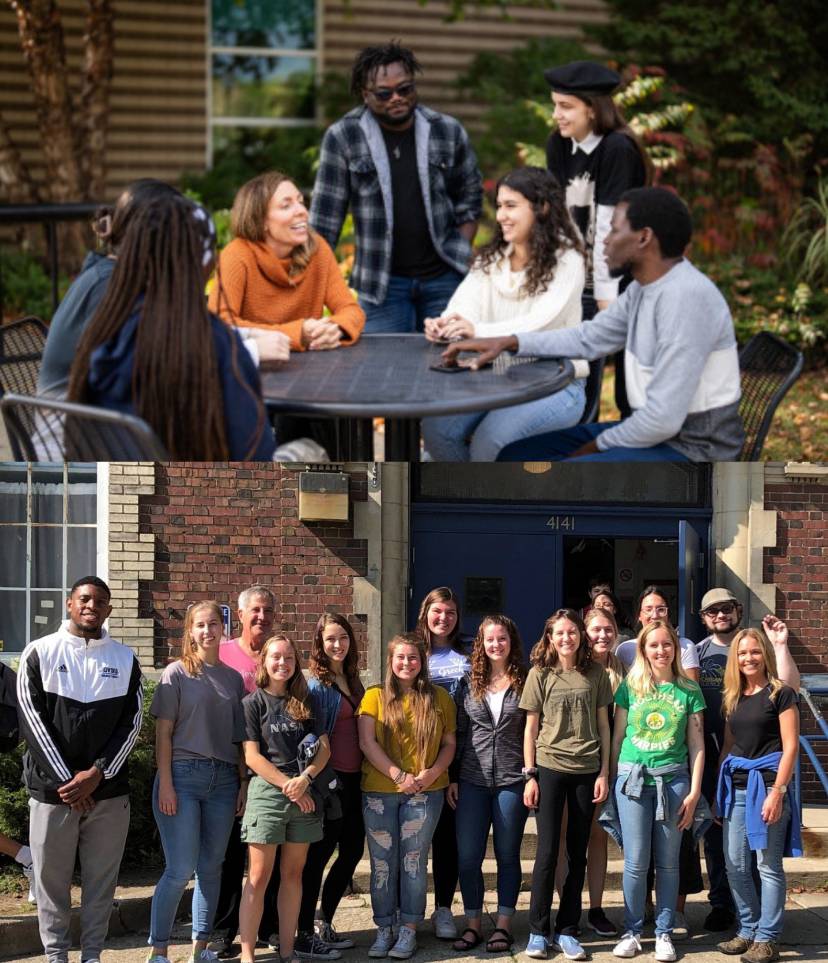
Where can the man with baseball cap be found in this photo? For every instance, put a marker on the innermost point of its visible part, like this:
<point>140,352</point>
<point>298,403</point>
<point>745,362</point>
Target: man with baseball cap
<point>721,612</point>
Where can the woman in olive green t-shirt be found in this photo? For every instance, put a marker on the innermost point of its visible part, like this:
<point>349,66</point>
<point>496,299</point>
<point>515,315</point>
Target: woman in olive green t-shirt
<point>566,759</point>
<point>406,733</point>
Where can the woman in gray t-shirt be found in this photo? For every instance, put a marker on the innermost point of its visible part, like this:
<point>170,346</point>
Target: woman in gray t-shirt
<point>199,728</point>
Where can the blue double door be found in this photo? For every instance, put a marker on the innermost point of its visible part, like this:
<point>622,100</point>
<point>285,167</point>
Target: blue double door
<point>527,561</point>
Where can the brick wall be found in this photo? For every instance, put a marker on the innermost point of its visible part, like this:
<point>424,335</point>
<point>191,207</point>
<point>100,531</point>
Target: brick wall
<point>220,528</point>
<point>798,566</point>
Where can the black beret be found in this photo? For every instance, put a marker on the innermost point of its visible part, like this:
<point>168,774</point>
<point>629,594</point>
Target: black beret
<point>582,77</point>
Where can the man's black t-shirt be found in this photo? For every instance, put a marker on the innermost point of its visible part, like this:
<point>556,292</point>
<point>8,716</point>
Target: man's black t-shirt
<point>755,727</point>
<point>278,734</point>
<point>413,253</point>
<point>712,662</point>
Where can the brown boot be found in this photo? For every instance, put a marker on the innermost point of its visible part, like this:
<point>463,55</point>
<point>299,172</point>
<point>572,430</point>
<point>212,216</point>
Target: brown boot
<point>735,946</point>
<point>761,953</point>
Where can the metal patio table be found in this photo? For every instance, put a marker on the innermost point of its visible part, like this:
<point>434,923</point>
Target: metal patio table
<point>388,376</point>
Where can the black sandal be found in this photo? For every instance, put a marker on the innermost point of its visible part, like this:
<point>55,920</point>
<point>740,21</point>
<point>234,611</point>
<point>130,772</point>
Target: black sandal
<point>501,941</point>
<point>467,944</point>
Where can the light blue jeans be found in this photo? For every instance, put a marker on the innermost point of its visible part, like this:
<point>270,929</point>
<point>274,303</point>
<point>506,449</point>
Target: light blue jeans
<point>642,833</point>
<point>194,841</point>
<point>399,830</point>
<point>447,438</point>
<point>760,919</point>
<point>502,809</point>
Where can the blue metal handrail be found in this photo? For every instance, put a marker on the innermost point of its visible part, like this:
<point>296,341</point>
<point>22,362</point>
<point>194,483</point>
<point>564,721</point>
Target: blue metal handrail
<point>810,686</point>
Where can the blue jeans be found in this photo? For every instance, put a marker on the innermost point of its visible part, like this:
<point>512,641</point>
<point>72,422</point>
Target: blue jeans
<point>558,445</point>
<point>501,808</point>
<point>399,830</point>
<point>194,841</point>
<point>759,919</point>
<point>642,833</point>
<point>447,438</point>
<point>408,302</point>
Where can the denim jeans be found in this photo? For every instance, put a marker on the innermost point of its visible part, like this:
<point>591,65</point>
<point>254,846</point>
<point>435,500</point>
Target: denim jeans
<point>759,919</point>
<point>447,438</point>
<point>643,834</point>
<point>408,302</point>
<point>501,808</point>
<point>194,841</point>
<point>399,830</point>
<point>558,445</point>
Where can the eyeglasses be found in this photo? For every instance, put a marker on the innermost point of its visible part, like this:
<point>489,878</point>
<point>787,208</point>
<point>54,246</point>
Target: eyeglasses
<point>386,93</point>
<point>655,610</point>
<point>726,608</point>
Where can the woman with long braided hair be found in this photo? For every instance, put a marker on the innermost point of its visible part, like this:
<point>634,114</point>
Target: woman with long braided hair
<point>153,349</point>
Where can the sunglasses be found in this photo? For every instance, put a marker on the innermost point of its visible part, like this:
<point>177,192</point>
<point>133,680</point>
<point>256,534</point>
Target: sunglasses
<point>386,93</point>
<point>726,608</point>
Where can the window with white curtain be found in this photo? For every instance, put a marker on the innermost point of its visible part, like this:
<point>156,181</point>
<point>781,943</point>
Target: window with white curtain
<point>48,533</point>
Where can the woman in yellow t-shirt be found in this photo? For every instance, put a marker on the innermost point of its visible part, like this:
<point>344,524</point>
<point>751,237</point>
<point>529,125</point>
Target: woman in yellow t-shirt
<point>406,733</point>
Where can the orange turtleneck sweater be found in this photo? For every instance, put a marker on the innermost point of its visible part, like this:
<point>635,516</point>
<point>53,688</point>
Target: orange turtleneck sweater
<point>257,292</point>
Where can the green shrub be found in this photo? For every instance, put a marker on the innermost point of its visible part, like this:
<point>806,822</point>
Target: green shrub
<point>27,288</point>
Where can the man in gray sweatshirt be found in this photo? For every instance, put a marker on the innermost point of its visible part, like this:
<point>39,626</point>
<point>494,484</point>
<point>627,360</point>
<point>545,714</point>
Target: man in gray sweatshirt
<point>681,359</point>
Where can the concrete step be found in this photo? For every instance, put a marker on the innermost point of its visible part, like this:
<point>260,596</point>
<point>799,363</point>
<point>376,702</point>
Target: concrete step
<point>805,873</point>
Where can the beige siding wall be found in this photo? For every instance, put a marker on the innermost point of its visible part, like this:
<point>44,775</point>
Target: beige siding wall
<point>158,120</point>
<point>446,49</point>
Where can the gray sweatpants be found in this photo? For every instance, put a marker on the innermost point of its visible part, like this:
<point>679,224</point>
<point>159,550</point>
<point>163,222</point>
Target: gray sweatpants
<point>56,835</point>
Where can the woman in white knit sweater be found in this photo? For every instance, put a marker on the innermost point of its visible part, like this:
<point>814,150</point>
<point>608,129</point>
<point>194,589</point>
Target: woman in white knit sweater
<point>528,278</point>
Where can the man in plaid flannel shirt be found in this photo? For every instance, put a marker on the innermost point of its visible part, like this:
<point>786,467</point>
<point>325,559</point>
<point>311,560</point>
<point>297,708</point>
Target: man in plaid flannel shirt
<point>411,180</point>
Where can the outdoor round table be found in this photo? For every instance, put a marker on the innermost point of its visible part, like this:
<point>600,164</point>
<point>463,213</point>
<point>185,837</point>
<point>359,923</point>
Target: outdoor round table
<point>388,376</point>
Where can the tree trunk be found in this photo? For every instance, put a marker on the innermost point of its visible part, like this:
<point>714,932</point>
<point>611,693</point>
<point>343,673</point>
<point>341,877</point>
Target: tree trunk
<point>18,186</point>
<point>99,43</point>
<point>41,39</point>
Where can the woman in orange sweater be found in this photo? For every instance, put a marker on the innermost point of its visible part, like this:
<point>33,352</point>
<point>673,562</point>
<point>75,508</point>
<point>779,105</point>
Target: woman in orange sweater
<point>280,274</point>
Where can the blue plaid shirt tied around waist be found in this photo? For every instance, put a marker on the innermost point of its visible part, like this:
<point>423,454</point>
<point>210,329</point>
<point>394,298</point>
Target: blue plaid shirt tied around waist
<point>354,172</point>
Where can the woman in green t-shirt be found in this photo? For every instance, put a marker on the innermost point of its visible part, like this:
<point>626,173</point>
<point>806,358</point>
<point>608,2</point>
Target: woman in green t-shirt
<point>406,733</point>
<point>658,724</point>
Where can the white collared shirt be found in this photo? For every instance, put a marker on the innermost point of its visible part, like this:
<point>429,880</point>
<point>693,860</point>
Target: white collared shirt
<point>588,144</point>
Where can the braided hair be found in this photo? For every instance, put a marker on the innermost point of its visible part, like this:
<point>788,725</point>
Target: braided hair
<point>163,259</point>
<point>370,59</point>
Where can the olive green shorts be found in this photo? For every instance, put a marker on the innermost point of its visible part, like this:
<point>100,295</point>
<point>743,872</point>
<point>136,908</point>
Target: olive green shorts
<point>270,818</point>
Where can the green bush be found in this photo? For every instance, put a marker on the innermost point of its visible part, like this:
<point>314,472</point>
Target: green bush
<point>27,288</point>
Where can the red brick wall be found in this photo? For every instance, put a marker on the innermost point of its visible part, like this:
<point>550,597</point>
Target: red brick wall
<point>798,565</point>
<point>221,528</point>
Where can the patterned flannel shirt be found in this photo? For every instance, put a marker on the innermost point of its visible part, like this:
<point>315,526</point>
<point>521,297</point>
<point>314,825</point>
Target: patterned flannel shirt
<point>354,171</point>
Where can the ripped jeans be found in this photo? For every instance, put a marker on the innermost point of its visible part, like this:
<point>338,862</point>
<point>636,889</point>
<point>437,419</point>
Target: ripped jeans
<point>399,830</point>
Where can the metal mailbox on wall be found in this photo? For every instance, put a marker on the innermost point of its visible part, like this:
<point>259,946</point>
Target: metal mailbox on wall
<point>323,496</point>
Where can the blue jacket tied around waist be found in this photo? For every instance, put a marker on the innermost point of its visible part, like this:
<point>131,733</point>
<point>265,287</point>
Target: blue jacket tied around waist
<point>755,795</point>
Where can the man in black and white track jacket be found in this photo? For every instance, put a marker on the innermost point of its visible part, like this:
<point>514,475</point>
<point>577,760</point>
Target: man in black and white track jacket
<point>80,704</point>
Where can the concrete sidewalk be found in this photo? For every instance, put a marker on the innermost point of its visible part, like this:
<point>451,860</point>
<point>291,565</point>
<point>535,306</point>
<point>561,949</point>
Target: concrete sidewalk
<point>805,937</point>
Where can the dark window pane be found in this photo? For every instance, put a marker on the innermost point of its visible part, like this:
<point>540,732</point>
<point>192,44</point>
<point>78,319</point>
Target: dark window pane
<point>47,558</point>
<point>13,556</point>
<point>83,498</point>
<point>12,621</point>
<point>483,596</point>
<point>13,493</point>
<point>47,495</point>
<point>264,23</point>
<point>81,547</point>
<point>48,611</point>
<point>245,86</point>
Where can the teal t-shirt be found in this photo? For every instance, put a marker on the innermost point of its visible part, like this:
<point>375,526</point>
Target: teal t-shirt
<point>656,733</point>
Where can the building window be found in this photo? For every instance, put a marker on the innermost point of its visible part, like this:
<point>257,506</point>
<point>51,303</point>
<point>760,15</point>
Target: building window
<point>264,65</point>
<point>48,529</point>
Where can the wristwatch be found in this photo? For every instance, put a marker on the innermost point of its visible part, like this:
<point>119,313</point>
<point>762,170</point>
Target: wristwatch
<point>529,772</point>
<point>780,789</point>
<point>100,765</point>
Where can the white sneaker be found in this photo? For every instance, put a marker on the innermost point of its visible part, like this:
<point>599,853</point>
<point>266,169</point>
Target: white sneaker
<point>157,958</point>
<point>205,956</point>
<point>627,946</point>
<point>443,923</point>
<point>665,952</point>
<point>383,943</point>
<point>406,944</point>
<point>680,928</point>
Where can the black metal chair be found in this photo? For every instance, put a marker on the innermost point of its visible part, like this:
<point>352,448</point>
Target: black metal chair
<point>21,350</point>
<point>593,391</point>
<point>44,429</point>
<point>769,366</point>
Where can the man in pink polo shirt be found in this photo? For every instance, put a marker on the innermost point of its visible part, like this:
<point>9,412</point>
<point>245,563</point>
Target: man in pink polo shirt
<point>256,613</point>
